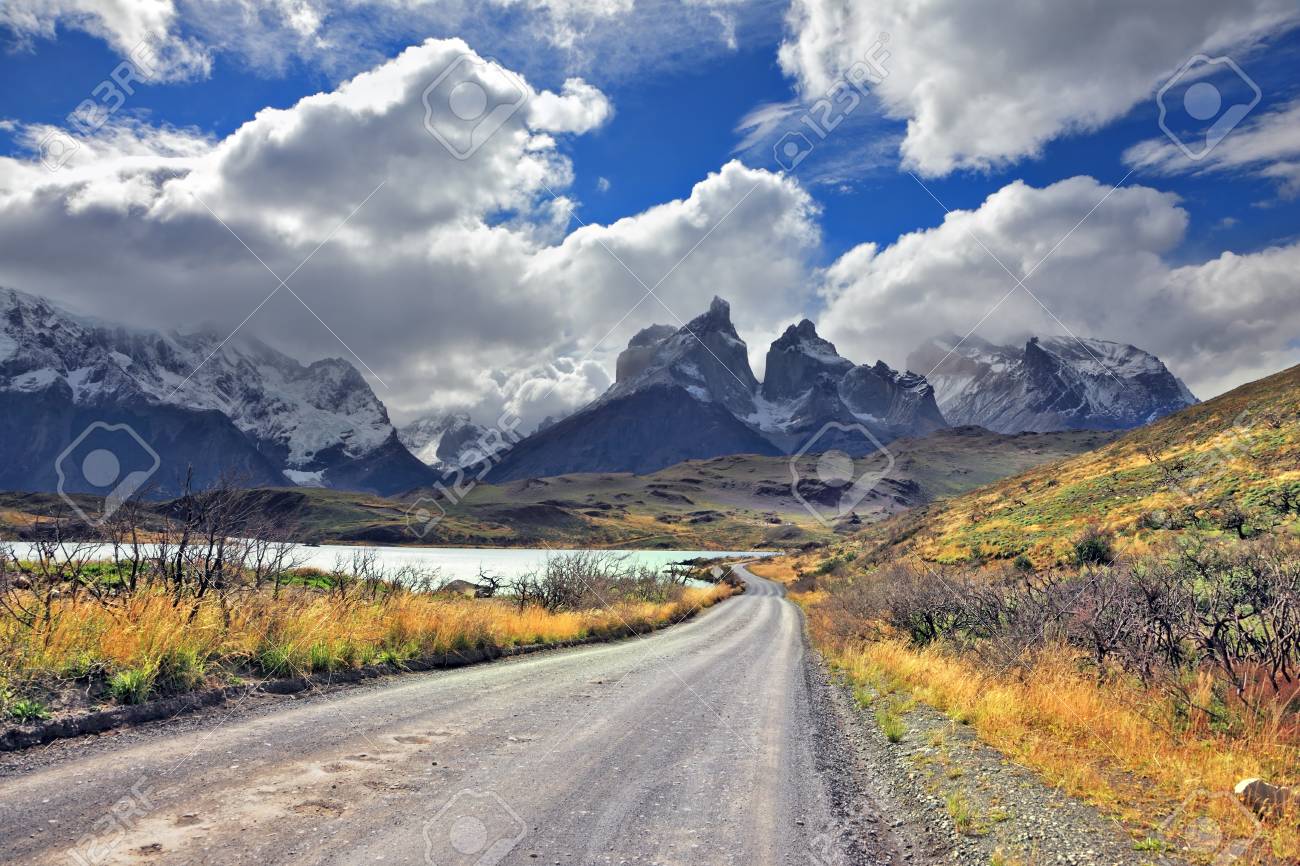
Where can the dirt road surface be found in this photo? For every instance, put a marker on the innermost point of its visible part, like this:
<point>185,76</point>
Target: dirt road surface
<point>712,742</point>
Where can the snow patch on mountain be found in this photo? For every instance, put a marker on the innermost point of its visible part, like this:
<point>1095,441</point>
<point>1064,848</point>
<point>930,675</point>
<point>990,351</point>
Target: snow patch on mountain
<point>444,441</point>
<point>307,417</point>
<point>1050,383</point>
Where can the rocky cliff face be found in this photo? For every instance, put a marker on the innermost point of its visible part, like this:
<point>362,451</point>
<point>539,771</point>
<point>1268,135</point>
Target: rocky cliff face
<point>706,357</point>
<point>237,406</point>
<point>808,385</point>
<point>1049,384</point>
<point>677,397</point>
<point>640,351</point>
<point>797,360</point>
<point>689,393</point>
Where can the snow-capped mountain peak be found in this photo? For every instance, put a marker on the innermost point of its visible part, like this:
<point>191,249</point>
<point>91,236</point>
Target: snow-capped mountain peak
<point>310,421</point>
<point>706,357</point>
<point>1051,383</point>
<point>444,442</point>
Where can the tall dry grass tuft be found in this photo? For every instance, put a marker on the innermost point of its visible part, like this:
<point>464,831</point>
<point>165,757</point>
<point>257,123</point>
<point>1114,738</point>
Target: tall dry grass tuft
<point>1112,742</point>
<point>294,631</point>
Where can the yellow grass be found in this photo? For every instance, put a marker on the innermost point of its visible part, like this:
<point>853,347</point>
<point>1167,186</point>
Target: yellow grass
<point>780,569</point>
<point>1242,446</point>
<point>1113,745</point>
<point>303,630</point>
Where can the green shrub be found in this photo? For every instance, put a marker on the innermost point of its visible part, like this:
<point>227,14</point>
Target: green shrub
<point>28,710</point>
<point>132,686</point>
<point>891,725</point>
<point>959,809</point>
<point>274,660</point>
<point>1094,548</point>
<point>321,657</point>
<point>182,669</point>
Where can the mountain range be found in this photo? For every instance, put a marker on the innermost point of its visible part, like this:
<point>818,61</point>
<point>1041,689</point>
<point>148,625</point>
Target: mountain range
<point>1049,384</point>
<point>237,406</point>
<point>217,405</point>
<point>689,393</point>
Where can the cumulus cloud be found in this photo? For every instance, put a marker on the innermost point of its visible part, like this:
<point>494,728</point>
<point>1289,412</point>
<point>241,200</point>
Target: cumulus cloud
<point>539,392</point>
<point>1216,324</point>
<point>578,108</point>
<point>981,85</point>
<point>1267,145</point>
<point>447,277</point>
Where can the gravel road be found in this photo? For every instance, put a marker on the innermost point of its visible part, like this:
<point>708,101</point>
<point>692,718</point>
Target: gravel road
<point>713,742</point>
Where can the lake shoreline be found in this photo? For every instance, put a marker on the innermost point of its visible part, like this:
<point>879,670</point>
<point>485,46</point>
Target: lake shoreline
<point>450,563</point>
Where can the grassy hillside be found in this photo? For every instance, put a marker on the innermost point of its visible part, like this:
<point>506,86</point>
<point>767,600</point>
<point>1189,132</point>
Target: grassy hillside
<point>735,502</point>
<point>1228,466</point>
<point>1122,621</point>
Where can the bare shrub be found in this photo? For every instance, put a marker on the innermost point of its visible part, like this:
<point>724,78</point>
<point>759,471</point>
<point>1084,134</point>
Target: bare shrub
<point>1230,609</point>
<point>593,579</point>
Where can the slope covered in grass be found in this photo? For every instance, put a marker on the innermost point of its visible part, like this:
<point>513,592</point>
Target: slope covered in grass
<point>1230,465</point>
<point>1122,621</point>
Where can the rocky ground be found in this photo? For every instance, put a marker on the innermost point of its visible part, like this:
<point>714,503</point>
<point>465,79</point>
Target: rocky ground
<point>957,800</point>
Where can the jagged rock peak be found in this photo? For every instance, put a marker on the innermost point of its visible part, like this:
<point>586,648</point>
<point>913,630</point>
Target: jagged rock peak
<point>798,359</point>
<point>804,333</point>
<point>640,351</point>
<point>651,335</point>
<point>718,318</point>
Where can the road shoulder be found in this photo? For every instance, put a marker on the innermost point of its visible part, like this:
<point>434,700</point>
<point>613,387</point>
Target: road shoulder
<point>961,801</point>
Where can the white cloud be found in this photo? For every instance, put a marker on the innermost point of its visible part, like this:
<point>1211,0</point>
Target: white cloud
<point>450,269</point>
<point>1267,144</point>
<point>551,390</point>
<point>578,108</point>
<point>123,24</point>
<point>609,38</point>
<point>761,234</point>
<point>1216,324</point>
<point>981,86</point>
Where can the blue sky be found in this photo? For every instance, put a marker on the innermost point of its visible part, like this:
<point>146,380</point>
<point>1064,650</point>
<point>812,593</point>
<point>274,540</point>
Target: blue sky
<point>681,87</point>
<point>672,128</point>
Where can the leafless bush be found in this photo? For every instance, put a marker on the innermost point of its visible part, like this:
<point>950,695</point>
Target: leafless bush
<point>1233,609</point>
<point>54,567</point>
<point>592,579</point>
<point>921,602</point>
<point>216,540</point>
<point>211,542</point>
